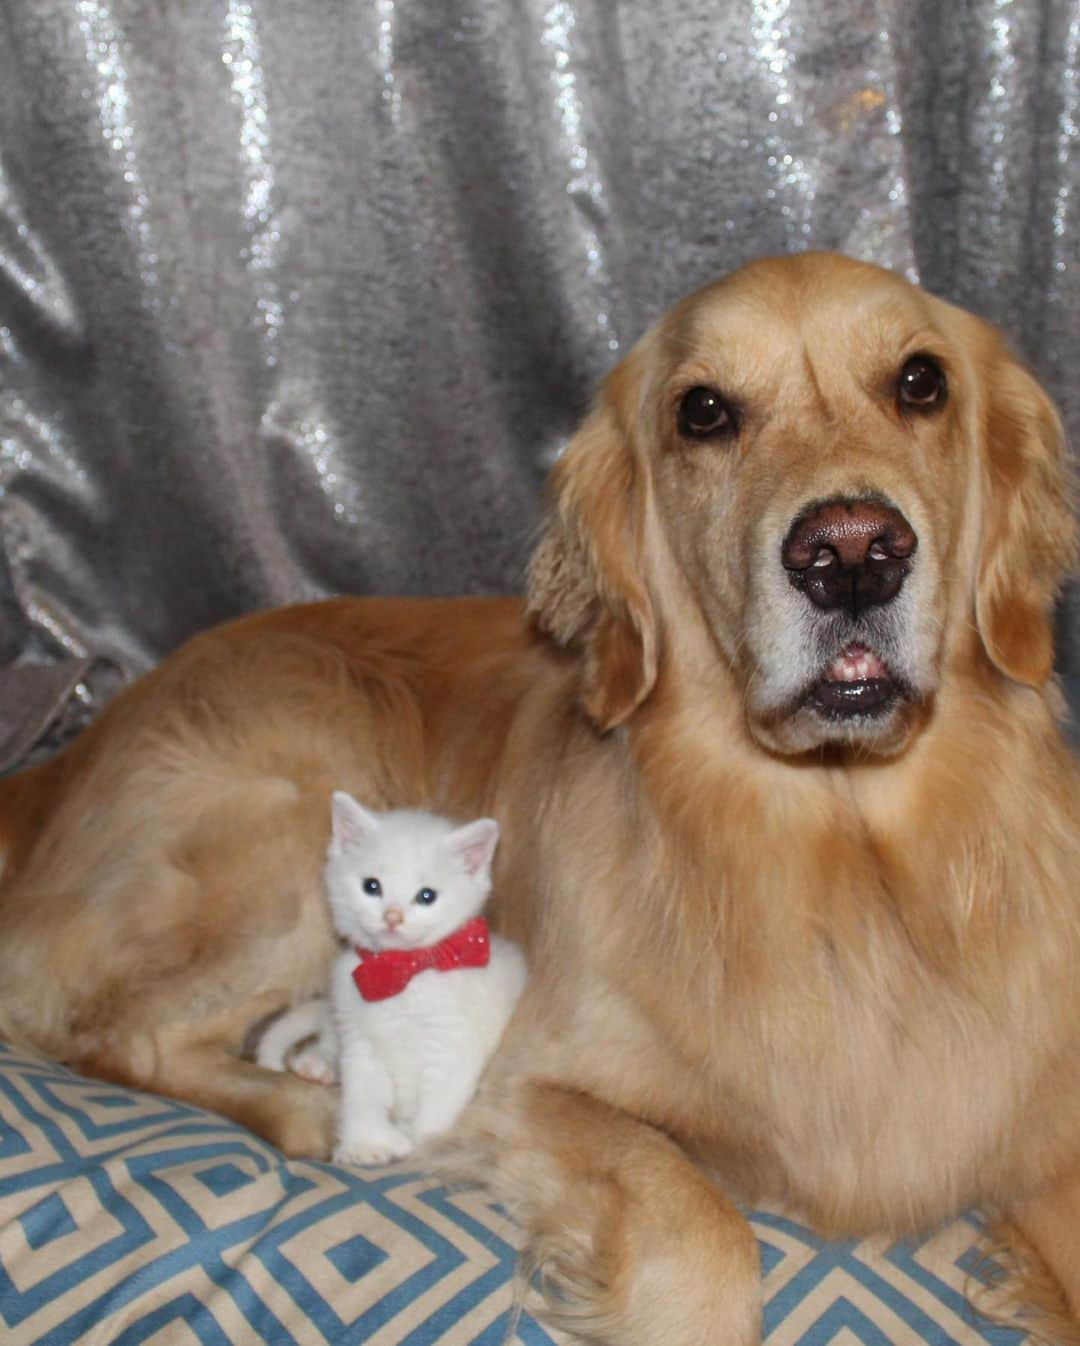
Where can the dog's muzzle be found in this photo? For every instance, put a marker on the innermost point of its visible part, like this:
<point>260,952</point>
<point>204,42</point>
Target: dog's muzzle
<point>850,558</point>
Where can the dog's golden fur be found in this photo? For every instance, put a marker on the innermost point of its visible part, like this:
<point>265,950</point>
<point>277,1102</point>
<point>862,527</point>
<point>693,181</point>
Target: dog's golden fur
<point>773,957</point>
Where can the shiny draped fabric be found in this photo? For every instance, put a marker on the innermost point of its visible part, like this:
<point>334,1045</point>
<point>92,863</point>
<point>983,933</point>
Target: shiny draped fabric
<point>301,297</point>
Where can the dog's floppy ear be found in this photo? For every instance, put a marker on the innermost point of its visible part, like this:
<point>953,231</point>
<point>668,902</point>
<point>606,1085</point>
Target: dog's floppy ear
<point>586,586</point>
<point>1029,534</point>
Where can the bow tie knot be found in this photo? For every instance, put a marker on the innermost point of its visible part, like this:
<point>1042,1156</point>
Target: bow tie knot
<point>385,973</point>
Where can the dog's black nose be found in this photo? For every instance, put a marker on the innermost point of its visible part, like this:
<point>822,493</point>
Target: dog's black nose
<point>852,554</point>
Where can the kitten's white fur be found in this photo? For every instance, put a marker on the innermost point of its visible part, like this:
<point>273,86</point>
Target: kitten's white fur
<point>410,1063</point>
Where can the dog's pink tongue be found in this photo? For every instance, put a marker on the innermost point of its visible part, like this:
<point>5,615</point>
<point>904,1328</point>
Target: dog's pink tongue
<point>855,664</point>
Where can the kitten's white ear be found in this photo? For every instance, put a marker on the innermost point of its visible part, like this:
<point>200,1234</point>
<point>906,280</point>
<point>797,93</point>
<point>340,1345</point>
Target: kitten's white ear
<point>350,822</point>
<point>475,843</point>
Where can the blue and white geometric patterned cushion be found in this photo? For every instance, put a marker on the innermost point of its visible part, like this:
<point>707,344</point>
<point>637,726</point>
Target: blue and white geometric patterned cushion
<point>129,1219</point>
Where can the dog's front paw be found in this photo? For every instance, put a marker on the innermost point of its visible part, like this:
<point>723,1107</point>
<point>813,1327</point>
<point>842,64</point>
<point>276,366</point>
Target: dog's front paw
<point>381,1145</point>
<point>298,1117</point>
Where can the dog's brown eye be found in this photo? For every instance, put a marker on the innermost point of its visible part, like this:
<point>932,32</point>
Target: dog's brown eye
<point>703,413</point>
<point>922,384</point>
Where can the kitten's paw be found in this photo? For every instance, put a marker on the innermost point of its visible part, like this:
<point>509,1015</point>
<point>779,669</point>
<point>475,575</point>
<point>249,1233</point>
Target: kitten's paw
<point>314,1064</point>
<point>376,1146</point>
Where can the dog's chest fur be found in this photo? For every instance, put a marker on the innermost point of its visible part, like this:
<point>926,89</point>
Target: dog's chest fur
<point>864,1004</point>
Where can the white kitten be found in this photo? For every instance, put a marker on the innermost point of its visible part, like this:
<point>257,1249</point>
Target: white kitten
<point>421,997</point>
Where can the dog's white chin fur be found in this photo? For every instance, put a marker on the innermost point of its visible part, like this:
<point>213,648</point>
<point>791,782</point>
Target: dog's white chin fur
<point>807,729</point>
<point>792,649</point>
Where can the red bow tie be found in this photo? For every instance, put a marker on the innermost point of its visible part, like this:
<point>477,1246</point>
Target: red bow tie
<point>380,975</point>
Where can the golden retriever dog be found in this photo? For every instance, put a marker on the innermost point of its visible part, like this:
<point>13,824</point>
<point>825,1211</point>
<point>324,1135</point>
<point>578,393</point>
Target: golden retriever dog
<point>790,831</point>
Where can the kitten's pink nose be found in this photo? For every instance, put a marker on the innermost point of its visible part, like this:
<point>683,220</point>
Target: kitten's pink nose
<point>393,916</point>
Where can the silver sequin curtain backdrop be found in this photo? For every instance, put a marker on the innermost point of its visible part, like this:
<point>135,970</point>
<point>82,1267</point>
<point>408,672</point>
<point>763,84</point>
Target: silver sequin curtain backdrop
<point>302,298</point>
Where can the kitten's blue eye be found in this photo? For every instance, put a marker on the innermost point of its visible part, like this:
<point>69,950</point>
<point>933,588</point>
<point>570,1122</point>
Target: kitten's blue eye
<point>426,896</point>
<point>373,886</point>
